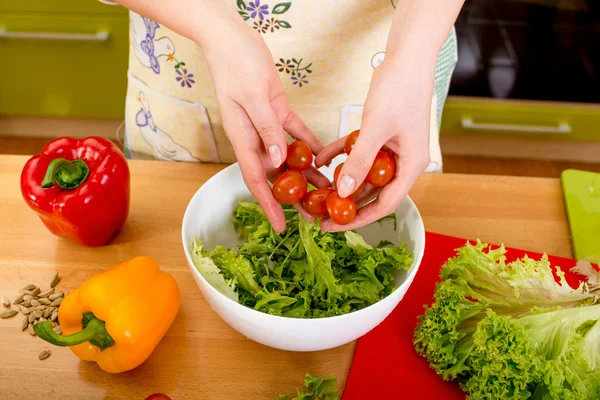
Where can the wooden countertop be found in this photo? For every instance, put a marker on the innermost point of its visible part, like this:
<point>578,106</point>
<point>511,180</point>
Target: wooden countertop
<point>201,357</point>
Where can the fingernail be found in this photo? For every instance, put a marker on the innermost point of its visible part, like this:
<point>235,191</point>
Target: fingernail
<point>275,155</point>
<point>347,185</point>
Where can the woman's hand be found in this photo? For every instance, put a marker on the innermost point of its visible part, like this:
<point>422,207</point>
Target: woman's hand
<point>254,109</point>
<point>396,115</point>
<point>256,114</point>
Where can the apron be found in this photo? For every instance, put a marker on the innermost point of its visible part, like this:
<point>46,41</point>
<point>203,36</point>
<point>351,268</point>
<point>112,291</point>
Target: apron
<point>325,53</point>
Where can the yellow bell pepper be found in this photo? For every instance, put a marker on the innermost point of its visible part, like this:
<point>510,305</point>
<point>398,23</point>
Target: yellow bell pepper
<point>117,318</point>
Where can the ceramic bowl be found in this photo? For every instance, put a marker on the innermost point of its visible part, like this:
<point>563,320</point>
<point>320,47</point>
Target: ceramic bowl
<point>208,217</point>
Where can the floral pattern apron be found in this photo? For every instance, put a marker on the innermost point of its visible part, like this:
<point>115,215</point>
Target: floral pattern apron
<point>325,53</point>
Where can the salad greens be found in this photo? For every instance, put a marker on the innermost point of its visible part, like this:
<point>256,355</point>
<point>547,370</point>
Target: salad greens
<point>317,388</point>
<point>510,330</point>
<point>301,273</point>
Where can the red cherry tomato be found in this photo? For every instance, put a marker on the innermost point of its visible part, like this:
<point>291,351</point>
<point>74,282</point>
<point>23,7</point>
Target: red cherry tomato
<point>290,187</point>
<point>315,202</point>
<point>357,192</point>
<point>342,211</point>
<point>350,140</point>
<point>383,169</point>
<point>158,396</point>
<point>299,156</point>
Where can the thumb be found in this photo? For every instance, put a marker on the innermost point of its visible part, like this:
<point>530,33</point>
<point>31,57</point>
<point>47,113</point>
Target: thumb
<point>269,129</point>
<point>357,165</point>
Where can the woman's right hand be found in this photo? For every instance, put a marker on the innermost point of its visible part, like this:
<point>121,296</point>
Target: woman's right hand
<point>255,112</point>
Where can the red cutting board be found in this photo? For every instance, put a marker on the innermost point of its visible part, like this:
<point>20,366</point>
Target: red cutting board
<point>385,364</point>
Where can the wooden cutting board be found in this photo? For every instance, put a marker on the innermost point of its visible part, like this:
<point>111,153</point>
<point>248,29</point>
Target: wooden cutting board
<point>582,200</point>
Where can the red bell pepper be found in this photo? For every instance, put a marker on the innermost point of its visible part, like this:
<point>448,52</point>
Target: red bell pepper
<point>79,189</point>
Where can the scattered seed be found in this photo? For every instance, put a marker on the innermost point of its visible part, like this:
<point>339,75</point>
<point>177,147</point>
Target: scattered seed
<point>35,303</point>
<point>55,281</point>
<point>47,313</point>
<point>46,293</point>
<point>28,297</point>
<point>25,323</point>
<point>31,318</point>
<point>45,354</point>
<point>26,303</point>
<point>54,316</point>
<point>56,295</point>
<point>37,313</point>
<point>8,314</point>
<point>44,301</point>
<point>56,302</point>
<point>42,319</point>
<point>24,310</point>
<point>19,299</point>
<point>30,330</point>
<point>57,329</point>
<point>5,302</point>
<point>36,291</point>
<point>29,287</point>
<point>54,324</point>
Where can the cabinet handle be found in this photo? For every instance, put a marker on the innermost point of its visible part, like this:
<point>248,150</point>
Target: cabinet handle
<point>100,36</point>
<point>562,128</point>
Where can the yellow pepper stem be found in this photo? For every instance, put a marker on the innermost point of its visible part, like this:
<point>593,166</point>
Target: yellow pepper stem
<point>94,331</point>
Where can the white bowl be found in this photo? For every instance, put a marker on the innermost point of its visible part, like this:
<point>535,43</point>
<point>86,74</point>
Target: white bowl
<point>208,217</point>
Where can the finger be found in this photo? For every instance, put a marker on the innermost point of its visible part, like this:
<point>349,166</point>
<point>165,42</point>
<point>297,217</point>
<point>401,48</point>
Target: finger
<point>303,212</point>
<point>315,177</point>
<point>248,152</point>
<point>255,178</point>
<point>369,194</point>
<point>330,152</point>
<point>388,199</point>
<point>269,128</point>
<point>293,125</point>
<point>358,164</point>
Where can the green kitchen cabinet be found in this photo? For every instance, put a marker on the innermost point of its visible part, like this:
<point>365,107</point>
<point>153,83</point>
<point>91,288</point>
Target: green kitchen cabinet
<point>70,61</point>
<point>525,119</point>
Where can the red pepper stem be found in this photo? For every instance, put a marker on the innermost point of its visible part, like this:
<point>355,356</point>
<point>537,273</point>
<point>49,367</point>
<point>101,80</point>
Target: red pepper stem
<point>66,174</point>
<point>94,331</point>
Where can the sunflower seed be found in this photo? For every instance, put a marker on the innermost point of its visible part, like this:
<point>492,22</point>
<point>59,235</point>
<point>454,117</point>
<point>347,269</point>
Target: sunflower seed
<point>25,323</point>
<point>46,293</point>
<point>30,330</point>
<point>45,354</point>
<point>56,302</point>
<point>19,299</point>
<point>57,329</point>
<point>54,316</point>
<point>47,313</point>
<point>29,287</point>
<point>41,308</point>
<point>56,295</point>
<point>31,318</point>
<point>55,281</point>
<point>44,301</point>
<point>26,303</point>
<point>24,310</point>
<point>54,324</point>
<point>5,302</point>
<point>42,319</point>
<point>28,297</point>
<point>36,291</point>
<point>37,313</point>
<point>35,303</point>
<point>8,314</point>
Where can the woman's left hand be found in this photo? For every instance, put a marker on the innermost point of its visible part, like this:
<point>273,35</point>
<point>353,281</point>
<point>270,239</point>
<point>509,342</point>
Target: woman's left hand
<point>396,115</point>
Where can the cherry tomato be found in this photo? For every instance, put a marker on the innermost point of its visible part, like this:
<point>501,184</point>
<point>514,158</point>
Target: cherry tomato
<point>357,192</point>
<point>315,202</point>
<point>299,156</point>
<point>350,140</point>
<point>342,211</point>
<point>383,169</point>
<point>158,396</point>
<point>290,187</point>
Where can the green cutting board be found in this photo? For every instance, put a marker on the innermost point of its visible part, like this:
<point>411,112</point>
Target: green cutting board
<point>582,199</point>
